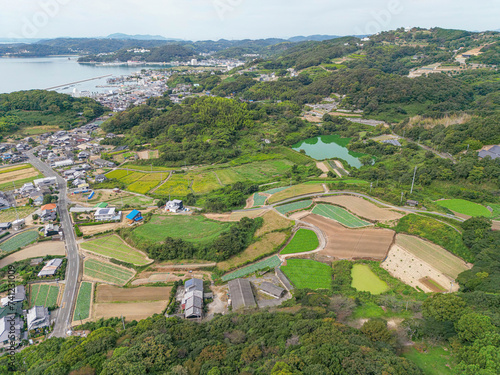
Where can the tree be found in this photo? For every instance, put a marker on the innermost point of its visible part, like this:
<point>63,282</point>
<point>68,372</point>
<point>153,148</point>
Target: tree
<point>376,330</point>
<point>473,326</point>
<point>366,160</point>
<point>444,307</point>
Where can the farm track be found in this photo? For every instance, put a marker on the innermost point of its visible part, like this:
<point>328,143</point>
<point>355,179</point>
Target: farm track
<point>152,191</point>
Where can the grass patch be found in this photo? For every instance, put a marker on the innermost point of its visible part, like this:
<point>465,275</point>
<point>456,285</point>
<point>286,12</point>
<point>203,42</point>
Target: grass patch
<point>255,172</point>
<point>364,280</point>
<point>306,273</point>
<point>147,168</point>
<point>132,201</point>
<point>296,191</point>
<point>11,213</point>
<point>19,241</point>
<point>146,183</point>
<point>432,360</point>
<point>195,229</point>
<point>177,185</point>
<point>436,232</point>
<point>304,240</point>
<point>339,214</point>
<point>114,247</point>
<point>82,308</point>
<point>106,272</point>
<point>465,207</point>
<point>272,262</point>
<point>296,206</point>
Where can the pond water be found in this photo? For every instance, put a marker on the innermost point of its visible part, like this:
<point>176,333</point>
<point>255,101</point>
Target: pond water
<point>329,146</point>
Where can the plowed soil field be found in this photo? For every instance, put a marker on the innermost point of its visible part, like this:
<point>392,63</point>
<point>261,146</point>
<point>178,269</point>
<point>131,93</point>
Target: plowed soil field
<point>344,243</point>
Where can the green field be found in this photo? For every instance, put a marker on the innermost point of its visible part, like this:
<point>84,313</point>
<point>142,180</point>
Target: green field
<point>256,172</point>
<point>276,190</point>
<point>114,247</point>
<point>339,214</point>
<point>465,207</point>
<point>258,200</point>
<point>147,182</point>
<point>11,214</point>
<point>15,168</point>
<point>18,241</point>
<point>290,207</point>
<point>434,361</point>
<point>304,240</point>
<point>306,273</point>
<point>295,191</point>
<point>272,262</point>
<point>204,182</point>
<point>148,168</point>
<point>177,185</point>
<point>44,295</point>
<point>82,308</point>
<point>195,229</point>
<point>133,201</point>
<point>6,186</point>
<point>106,272</point>
<point>364,280</point>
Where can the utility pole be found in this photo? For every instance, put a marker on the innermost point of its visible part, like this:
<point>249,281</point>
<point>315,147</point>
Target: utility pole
<point>123,322</point>
<point>371,185</point>
<point>15,203</point>
<point>402,193</point>
<point>413,182</point>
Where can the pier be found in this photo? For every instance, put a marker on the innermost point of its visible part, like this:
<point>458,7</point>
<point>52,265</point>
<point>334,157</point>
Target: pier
<point>76,82</point>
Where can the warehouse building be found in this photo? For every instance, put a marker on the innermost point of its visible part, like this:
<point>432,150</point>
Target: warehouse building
<point>241,294</point>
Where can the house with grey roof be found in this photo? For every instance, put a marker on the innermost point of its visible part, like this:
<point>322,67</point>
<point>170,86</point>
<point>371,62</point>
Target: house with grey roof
<point>38,317</point>
<point>50,268</point>
<point>18,295</point>
<point>192,302</point>
<point>493,152</point>
<point>10,326</point>
<point>272,290</point>
<point>241,294</point>
<point>107,214</point>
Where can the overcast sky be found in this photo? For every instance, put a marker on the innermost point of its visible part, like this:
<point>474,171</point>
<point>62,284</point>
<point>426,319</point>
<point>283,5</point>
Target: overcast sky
<point>237,19</point>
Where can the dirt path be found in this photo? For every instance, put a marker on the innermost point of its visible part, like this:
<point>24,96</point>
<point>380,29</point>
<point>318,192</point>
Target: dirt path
<point>323,167</point>
<point>161,183</point>
<point>249,202</point>
<point>218,179</point>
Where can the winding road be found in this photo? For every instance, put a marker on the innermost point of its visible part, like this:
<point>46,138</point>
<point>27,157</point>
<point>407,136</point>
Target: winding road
<point>63,321</point>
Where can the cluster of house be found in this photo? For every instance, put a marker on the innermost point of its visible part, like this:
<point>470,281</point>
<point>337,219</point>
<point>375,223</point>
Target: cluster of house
<point>37,189</point>
<point>14,153</point>
<point>12,317</point>
<point>192,300</point>
<point>4,201</point>
<point>242,296</point>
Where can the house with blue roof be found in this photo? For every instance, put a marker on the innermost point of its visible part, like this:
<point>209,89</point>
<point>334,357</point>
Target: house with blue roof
<point>134,216</point>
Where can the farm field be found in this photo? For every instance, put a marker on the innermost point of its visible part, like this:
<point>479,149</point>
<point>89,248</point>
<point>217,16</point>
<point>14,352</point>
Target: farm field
<point>345,243</point>
<point>146,183</point>
<point>272,262</point>
<point>177,185</point>
<point>256,172</point>
<point>362,207</point>
<point>441,259</point>
<point>364,280</point>
<point>237,216</point>
<point>203,182</point>
<point>296,191</point>
<point>148,168</point>
<point>307,273</point>
<point>132,201</point>
<point>339,214</point>
<point>109,293</point>
<point>290,207</point>
<point>130,311</point>
<point>273,222</point>
<point>15,176</point>
<point>15,168</point>
<point>39,250</point>
<point>304,240</point>
<point>10,214</point>
<point>82,308</point>
<point>114,247</point>
<point>415,272</point>
<point>275,190</point>
<point>106,272</point>
<point>196,229</point>
<point>18,241</point>
<point>258,199</point>
<point>44,295</point>
<point>464,207</point>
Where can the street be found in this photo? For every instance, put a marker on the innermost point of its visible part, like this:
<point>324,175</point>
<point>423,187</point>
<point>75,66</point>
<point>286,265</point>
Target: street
<point>64,318</point>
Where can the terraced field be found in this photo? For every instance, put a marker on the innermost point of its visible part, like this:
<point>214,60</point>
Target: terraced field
<point>272,262</point>
<point>303,241</point>
<point>147,182</point>
<point>308,274</point>
<point>257,172</point>
<point>339,214</point>
<point>295,191</point>
<point>82,308</point>
<point>19,241</point>
<point>465,207</point>
<point>258,200</point>
<point>106,272</point>
<point>44,295</point>
<point>177,185</point>
<point>290,207</point>
<point>203,182</point>
<point>114,247</point>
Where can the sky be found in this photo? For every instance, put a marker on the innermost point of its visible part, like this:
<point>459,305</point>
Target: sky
<point>238,19</point>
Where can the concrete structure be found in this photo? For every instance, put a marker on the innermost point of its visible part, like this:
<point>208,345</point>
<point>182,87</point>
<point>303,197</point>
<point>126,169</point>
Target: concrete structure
<point>50,268</point>
<point>18,224</point>
<point>38,317</point>
<point>47,181</point>
<point>241,294</point>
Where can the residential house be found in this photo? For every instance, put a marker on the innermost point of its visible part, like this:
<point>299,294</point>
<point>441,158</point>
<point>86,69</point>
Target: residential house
<point>48,215</point>
<point>10,329</point>
<point>38,317</point>
<point>63,163</point>
<point>26,189</point>
<point>4,204</point>
<point>107,214</point>
<point>101,163</point>
<point>45,182</point>
<point>100,178</point>
<point>175,205</point>
<point>78,182</point>
<point>37,197</point>
<point>51,230</point>
<point>83,155</point>
<point>19,295</point>
<point>5,226</point>
<point>134,216</point>
<point>50,268</point>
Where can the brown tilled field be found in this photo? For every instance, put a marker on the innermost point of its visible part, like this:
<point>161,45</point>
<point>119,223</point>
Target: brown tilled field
<point>130,311</point>
<point>39,250</point>
<point>432,285</point>
<point>109,293</point>
<point>344,243</point>
<point>236,216</point>
<point>18,175</point>
<point>362,208</point>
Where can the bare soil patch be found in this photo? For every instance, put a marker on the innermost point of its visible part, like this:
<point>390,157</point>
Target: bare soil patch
<point>109,293</point>
<point>344,243</point>
<point>18,175</point>
<point>496,225</point>
<point>272,221</point>
<point>130,311</point>
<point>38,250</point>
<point>236,216</point>
<point>363,208</point>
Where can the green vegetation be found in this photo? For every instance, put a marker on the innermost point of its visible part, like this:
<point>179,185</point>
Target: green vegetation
<point>18,241</point>
<point>15,168</point>
<point>10,214</point>
<point>308,274</point>
<point>44,295</point>
<point>114,247</point>
<point>269,263</point>
<point>303,241</point>
<point>432,360</point>
<point>435,231</point>
<point>82,308</point>
<point>363,279</point>
<point>259,200</point>
<point>107,272</point>
<point>295,191</point>
<point>465,207</point>
<point>296,206</point>
<point>339,214</point>
<point>255,172</point>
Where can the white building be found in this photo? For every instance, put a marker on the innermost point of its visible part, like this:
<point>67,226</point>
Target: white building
<point>18,296</point>
<point>63,163</point>
<point>38,317</point>
<point>107,214</point>
<point>174,206</point>
<point>47,181</point>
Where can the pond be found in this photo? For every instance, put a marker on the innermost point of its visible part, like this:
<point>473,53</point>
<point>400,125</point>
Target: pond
<point>328,147</point>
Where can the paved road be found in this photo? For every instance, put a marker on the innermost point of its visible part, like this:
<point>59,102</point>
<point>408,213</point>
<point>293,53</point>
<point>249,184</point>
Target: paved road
<point>64,318</point>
